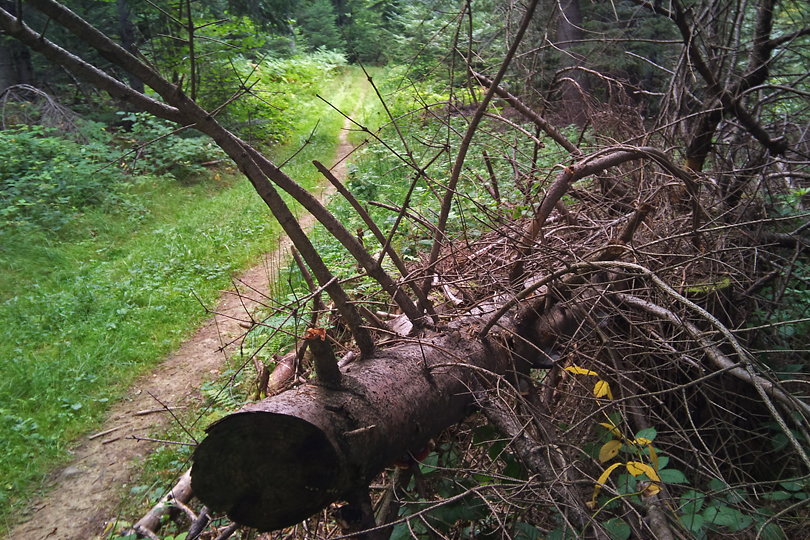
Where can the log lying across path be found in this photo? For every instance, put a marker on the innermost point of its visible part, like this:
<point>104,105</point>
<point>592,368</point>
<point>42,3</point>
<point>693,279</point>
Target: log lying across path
<point>278,461</point>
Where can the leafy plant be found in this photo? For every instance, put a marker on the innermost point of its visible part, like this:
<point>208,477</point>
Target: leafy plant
<point>46,179</point>
<point>156,148</point>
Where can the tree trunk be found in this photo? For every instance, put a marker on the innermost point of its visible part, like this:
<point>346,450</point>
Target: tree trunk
<point>278,461</point>
<point>126,30</point>
<point>573,108</point>
<point>15,58</point>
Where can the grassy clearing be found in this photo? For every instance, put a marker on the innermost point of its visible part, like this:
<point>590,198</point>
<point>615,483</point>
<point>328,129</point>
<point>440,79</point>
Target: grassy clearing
<point>83,313</point>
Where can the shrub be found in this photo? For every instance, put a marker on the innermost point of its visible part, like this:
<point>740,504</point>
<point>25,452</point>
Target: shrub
<point>155,147</point>
<point>46,179</point>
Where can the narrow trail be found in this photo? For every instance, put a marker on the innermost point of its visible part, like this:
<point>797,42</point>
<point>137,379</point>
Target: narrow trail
<point>86,493</point>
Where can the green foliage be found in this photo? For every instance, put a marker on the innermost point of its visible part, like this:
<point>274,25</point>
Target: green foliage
<point>722,509</point>
<point>77,329</point>
<point>282,92</point>
<point>318,23</point>
<point>46,179</point>
<point>629,34</point>
<point>155,147</point>
<point>617,528</point>
<point>78,316</point>
<point>465,510</point>
<point>246,231</point>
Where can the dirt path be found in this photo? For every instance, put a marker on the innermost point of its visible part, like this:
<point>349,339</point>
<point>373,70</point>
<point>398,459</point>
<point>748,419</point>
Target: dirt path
<point>86,492</point>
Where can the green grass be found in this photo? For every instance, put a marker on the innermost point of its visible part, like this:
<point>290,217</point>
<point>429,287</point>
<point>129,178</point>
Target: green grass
<point>85,312</point>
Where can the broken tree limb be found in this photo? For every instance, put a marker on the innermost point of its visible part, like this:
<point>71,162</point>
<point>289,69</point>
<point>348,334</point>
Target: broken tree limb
<point>593,164</point>
<point>326,366</point>
<point>378,234</point>
<point>538,120</point>
<point>180,493</point>
<point>276,462</point>
<point>596,163</point>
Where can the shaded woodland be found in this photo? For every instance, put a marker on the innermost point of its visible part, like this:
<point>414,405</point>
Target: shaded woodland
<point>583,314</point>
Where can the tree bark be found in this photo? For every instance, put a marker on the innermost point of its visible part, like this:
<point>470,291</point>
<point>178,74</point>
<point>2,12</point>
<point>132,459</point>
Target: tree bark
<point>574,84</point>
<point>278,461</point>
<point>126,29</point>
<point>15,58</point>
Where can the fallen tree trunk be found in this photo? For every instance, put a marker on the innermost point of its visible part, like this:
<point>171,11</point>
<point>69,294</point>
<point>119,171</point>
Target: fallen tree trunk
<point>278,461</point>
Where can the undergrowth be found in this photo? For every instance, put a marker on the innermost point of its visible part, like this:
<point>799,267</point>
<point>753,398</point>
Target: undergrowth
<point>88,306</point>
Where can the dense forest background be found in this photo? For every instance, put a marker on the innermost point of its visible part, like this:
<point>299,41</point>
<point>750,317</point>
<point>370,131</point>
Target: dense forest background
<point>612,196</point>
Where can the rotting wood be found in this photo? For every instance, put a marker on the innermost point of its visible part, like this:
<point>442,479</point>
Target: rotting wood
<point>280,460</point>
<point>326,366</point>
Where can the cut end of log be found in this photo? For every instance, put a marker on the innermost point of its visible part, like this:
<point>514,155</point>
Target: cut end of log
<point>239,468</point>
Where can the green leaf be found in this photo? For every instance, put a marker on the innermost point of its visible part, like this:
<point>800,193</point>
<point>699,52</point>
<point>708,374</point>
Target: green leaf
<point>791,485</point>
<point>402,532</point>
<point>525,531</point>
<point>663,461</point>
<point>672,476</point>
<point>719,515</point>
<point>771,531</point>
<point>647,433</point>
<point>617,529</point>
<point>626,484</point>
<point>778,495</point>
<point>715,484</point>
<point>429,464</point>
<point>691,502</point>
<point>725,516</point>
<point>693,522</point>
<point>514,469</point>
<point>560,534</point>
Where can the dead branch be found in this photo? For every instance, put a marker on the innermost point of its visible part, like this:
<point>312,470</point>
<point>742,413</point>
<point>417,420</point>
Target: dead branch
<point>539,459</point>
<point>464,145</point>
<point>538,120</point>
<point>725,364</point>
<point>424,304</point>
<point>180,493</point>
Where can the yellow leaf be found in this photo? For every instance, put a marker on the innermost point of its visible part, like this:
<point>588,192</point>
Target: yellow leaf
<point>581,371</point>
<point>602,479</point>
<point>602,389</point>
<point>653,456</point>
<point>613,429</point>
<point>636,468</point>
<point>651,489</point>
<point>604,476</point>
<point>609,450</point>
<point>641,441</point>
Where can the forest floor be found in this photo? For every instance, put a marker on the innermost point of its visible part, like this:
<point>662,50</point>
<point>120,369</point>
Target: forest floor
<point>85,494</point>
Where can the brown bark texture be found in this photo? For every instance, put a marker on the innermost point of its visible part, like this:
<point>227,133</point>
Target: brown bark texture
<point>278,461</point>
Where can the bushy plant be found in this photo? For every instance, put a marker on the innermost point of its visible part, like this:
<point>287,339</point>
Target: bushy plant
<point>47,178</point>
<point>157,148</point>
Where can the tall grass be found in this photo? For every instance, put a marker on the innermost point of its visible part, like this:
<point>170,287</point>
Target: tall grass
<point>85,312</point>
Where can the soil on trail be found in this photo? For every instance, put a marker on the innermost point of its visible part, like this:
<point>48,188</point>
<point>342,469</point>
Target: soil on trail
<point>86,493</point>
